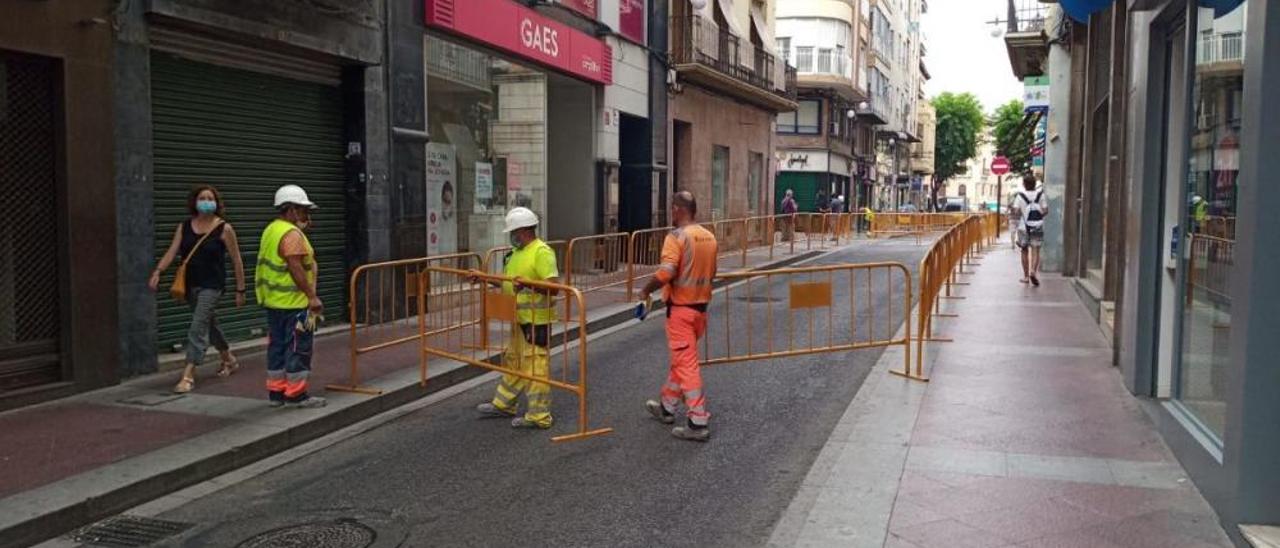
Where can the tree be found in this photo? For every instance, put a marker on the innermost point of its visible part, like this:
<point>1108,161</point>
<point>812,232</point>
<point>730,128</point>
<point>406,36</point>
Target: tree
<point>1013,141</point>
<point>960,120</point>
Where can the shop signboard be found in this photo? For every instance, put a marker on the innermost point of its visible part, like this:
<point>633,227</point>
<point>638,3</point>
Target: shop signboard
<point>631,20</point>
<point>515,29</point>
<point>1035,94</point>
<point>589,8</point>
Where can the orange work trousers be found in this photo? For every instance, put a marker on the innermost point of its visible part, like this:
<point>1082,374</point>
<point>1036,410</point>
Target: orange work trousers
<point>685,326</point>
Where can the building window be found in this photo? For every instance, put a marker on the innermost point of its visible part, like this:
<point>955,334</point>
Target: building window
<point>755,174</point>
<point>719,178</point>
<point>804,59</point>
<point>784,49</point>
<point>805,120</point>
<point>824,60</point>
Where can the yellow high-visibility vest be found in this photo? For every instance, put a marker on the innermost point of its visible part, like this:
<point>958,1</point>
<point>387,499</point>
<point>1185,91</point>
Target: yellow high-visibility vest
<point>273,285</point>
<point>535,261</point>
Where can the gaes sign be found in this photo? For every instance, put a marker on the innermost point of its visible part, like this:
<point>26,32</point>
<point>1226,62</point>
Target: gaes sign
<point>999,165</point>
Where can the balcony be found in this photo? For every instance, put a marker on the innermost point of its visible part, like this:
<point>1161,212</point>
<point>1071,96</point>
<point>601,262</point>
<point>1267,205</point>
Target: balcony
<point>709,56</point>
<point>1026,37</point>
<point>1226,48</point>
<point>829,69</point>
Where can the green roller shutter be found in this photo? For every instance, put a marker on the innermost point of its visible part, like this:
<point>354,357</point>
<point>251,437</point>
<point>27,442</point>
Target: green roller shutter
<point>245,133</point>
<point>804,186</point>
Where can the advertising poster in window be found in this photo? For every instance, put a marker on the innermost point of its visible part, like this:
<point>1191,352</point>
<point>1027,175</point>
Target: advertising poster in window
<point>484,186</point>
<point>442,191</point>
<point>631,20</point>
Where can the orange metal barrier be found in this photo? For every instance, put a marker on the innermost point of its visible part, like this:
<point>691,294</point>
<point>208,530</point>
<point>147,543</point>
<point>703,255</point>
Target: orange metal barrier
<point>385,305</point>
<point>483,319</point>
<point>947,257</point>
<point>593,263</point>
<point>644,254</point>
<point>801,312</point>
<point>1209,266</point>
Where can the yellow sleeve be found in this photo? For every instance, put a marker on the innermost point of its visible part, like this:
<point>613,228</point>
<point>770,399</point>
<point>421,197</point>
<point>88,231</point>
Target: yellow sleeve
<point>544,264</point>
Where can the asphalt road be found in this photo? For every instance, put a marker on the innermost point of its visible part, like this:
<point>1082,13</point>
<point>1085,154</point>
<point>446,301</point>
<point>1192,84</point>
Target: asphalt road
<point>442,477</point>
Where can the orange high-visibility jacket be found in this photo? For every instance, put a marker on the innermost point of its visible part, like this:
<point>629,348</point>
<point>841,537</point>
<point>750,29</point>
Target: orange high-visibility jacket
<point>688,265</point>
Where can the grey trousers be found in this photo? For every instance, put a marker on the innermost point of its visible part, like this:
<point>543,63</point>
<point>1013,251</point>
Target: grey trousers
<point>204,324</point>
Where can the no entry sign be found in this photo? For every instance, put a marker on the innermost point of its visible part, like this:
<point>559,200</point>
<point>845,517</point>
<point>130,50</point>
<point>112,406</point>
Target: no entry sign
<point>999,165</point>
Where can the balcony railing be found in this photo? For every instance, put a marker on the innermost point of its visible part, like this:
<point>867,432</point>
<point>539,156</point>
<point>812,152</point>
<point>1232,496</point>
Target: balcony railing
<point>1221,48</point>
<point>1026,16</point>
<point>695,39</point>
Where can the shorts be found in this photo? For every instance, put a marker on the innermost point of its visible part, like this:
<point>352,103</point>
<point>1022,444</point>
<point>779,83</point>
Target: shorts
<point>1027,240</point>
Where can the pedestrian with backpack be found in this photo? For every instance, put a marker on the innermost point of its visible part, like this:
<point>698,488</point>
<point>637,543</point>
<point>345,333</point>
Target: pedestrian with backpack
<point>1033,207</point>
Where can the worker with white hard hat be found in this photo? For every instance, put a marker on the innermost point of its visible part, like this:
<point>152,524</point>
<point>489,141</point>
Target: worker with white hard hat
<point>285,284</point>
<point>529,350</point>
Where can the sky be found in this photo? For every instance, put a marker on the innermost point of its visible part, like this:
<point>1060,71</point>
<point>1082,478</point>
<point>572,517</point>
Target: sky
<point>963,56</point>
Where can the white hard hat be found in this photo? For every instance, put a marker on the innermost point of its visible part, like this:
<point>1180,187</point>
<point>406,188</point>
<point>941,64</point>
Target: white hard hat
<point>293,194</point>
<point>520,217</point>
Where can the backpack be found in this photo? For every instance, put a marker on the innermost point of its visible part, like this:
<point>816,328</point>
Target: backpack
<point>1034,219</point>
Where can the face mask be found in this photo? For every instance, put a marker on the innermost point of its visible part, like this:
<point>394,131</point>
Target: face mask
<point>515,242</point>
<point>206,206</point>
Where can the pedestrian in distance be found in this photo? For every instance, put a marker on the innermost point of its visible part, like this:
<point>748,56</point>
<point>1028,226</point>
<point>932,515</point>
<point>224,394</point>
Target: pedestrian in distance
<point>685,274</point>
<point>204,241</point>
<point>285,284</point>
<point>529,351</point>
<point>1033,209</point>
<point>789,207</point>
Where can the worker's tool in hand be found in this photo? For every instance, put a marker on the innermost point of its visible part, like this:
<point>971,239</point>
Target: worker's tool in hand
<point>643,308</point>
<point>308,321</point>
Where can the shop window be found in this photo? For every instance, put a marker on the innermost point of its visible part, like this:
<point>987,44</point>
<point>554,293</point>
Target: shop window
<point>1208,213</point>
<point>719,178</point>
<point>488,122</point>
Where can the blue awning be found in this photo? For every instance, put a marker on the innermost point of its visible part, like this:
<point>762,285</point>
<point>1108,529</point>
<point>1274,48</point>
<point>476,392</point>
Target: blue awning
<point>1080,10</point>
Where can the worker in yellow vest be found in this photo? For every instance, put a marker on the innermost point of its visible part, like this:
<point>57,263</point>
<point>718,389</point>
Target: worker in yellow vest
<point>285,284</point>
<point>529,349</point>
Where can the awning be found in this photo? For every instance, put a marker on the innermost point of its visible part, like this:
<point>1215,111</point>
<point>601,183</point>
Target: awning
<point>726,9</point>
<point>1080,10</point>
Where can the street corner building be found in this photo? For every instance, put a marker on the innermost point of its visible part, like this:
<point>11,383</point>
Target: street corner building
<point>413,125</point>
<point>1162,130</point>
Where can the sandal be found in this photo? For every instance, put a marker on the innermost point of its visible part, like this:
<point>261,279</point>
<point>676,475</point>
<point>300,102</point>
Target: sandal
<point>185,385</point>
<point>227,368</point>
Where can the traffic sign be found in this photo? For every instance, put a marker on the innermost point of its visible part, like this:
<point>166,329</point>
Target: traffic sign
<point>1000,165</point>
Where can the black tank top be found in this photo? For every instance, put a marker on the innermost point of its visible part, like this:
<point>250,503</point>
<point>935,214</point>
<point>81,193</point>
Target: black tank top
<point>208,268</point>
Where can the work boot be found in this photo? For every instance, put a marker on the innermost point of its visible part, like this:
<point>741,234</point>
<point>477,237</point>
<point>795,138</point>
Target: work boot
<point>490,411</point>
<point>276,404</point>
<point>659,412</point>
<point>313,402</point>
<point>521,422</point>
<point>692,432</point>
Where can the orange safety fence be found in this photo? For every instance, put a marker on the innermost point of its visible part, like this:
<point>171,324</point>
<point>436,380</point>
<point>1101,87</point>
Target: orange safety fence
<point>480,326</point>
<point>385,304</point>
<point>593,263</point>
<point>938,269</point>
<point>644,255</point>
<point>797,311</point>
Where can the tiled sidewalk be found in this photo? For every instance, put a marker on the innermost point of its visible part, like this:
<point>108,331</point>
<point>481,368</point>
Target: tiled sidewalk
<point>1024,437</point>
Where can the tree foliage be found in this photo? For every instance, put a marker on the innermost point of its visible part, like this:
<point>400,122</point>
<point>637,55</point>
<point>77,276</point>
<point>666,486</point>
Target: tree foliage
<point>1010,142</point>
<point>960,120</point>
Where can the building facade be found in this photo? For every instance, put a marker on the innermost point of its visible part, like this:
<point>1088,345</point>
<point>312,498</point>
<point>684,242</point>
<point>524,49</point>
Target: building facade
<point>729,87</point>
<point>895,80</point>
<point>1161,130</point>
<point>818,154</point>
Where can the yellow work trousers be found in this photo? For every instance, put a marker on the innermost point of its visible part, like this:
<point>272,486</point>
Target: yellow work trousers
<point>528,358</point>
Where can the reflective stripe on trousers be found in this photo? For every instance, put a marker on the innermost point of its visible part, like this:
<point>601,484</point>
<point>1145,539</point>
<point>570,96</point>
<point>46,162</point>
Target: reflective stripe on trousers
<point>288,355</point>
<point>685,326</point>
<point>531,359</point>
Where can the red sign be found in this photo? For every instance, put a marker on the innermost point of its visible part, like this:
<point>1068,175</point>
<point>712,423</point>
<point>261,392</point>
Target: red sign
<point>588,8</point>
<point>520,31</point>
<point>999,165</point>
<point>631,18</point>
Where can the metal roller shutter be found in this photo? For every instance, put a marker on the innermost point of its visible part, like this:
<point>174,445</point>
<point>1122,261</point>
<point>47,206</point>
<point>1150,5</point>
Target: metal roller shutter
<point>804,187</point>
<point>245,133</point>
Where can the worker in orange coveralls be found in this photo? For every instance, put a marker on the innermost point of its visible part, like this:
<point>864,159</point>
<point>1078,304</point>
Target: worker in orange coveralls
<point>685,275</point>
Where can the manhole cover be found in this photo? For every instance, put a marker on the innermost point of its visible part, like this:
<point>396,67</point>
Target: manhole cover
<point>341,533</point>
<point>128,531</point>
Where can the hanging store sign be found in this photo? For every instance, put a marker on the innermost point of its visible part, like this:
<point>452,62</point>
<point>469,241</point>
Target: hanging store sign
<point>1035,94</point>
<point>631,20</point>
<point>520,31</point>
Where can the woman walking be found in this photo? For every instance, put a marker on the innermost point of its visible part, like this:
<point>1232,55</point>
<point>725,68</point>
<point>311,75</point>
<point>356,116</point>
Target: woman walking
<point>204,241</point>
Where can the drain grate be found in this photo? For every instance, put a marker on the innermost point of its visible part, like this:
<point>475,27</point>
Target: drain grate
<point>340,533</point>
<point>128,531</point>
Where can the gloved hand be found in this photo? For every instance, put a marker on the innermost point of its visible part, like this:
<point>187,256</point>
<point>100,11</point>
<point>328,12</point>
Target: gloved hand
<point>643,308</point>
